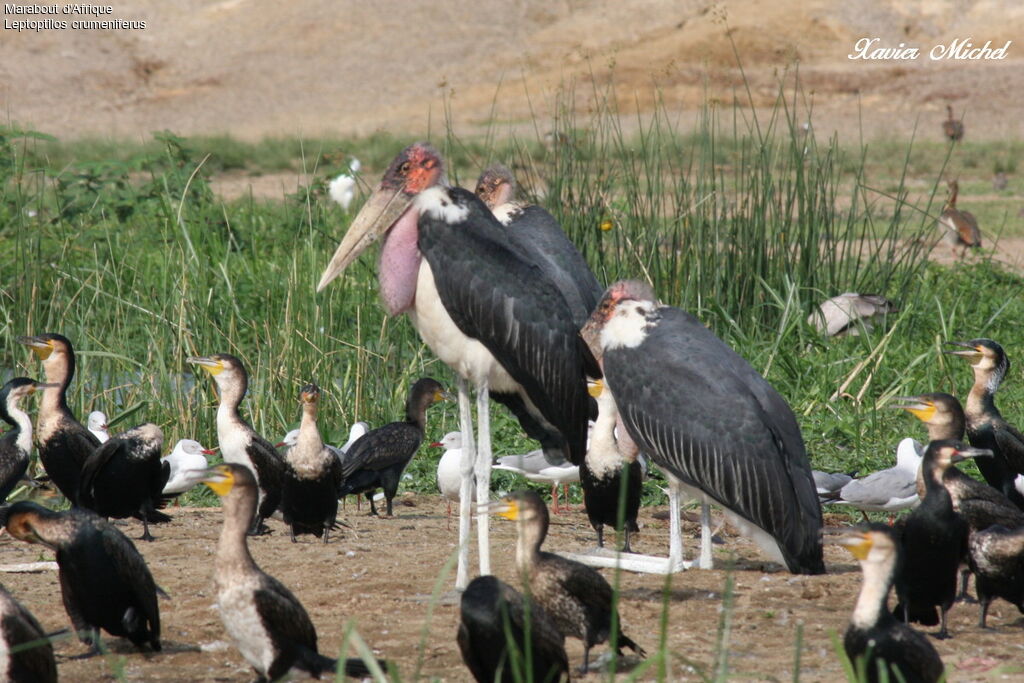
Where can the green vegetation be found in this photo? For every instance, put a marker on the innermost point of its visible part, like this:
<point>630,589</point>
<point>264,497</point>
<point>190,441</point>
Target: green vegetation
<point>124,248</point>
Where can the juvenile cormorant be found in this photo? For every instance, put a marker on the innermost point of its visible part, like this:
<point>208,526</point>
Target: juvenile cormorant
<point>449,473</point>
<point>701,412</point>
<point>986,427</point>
<point>309,503</point>
<point>97,424</point>
<point>104,581</point>
<point>492,614</point>
<point>959,228</point>
<point>18,628</point>
<point>187,457</point>
<point>997,560</point>
<point>239,442</point>
<point>378,459</point>
<point>63,442</point>
<point>15,445</point>
<point>934,542</point>
<point>875,641</point>
<point>606,469</point>
<point>125,477</point>
<point>268,624</point>
<point>575,595</point>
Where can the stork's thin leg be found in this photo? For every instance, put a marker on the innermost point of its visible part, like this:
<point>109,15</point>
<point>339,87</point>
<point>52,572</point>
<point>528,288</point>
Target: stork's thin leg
<point>483,477</point>
<point>466,485</point>
<point>705,536</point>
<point>676,557</point>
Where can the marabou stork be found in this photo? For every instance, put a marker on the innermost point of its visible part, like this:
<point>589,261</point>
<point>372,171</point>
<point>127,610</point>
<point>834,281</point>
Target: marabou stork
<point>482,306</point>
<point>701,412</point>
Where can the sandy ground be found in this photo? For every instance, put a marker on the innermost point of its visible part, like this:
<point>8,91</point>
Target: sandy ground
<point>319,66</point>
<point>381,573</point>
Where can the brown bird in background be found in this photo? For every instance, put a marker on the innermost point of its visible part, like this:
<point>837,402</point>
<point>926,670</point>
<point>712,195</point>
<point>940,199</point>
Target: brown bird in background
<point>960,228</point>
<point>952,128</point>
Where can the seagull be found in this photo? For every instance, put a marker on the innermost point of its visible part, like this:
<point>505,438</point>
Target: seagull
<point>449,470</point>
<point>188,455</point>
<point>97,424</point>
<point>887,490</point>
<point>847,313</point>
<point>343,188</point>
<point>536,466</point>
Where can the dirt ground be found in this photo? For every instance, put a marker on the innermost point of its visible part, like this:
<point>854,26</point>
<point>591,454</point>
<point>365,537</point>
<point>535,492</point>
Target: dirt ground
<point>381,573</point>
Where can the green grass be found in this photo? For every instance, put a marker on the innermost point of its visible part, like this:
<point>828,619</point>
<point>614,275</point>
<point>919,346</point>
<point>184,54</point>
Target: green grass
<point>123,247</point>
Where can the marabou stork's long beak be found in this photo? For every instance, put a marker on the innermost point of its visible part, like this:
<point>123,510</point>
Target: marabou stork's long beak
<point>384,207</point>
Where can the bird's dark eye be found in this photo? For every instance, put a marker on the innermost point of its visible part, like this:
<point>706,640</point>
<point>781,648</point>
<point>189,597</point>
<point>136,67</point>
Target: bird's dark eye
<point>404,168</point>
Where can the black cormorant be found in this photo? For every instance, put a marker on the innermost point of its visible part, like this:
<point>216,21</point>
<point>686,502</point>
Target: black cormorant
<point>268,624</point>
<point>125,477</point>
<point>997,560</point>
<point>493,614</point>
<point>378,459</point>
<point>934,542</point>
<point>575,595</point>
<point>702,413</point>
<point>63,442</point>
<point>606,469</point>
<point>239,442</point>
<point>880,647</point>
<point>986,427</point>
<point>309,503</point>
<point>15,445</point>
<point>104,581</point>
<point>18,628</point>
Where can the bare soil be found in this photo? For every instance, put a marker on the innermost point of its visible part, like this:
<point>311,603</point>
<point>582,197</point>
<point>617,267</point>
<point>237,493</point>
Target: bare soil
<point>380,574</point>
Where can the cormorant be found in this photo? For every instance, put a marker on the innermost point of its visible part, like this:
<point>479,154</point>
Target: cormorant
<point>986,427</point>
<point>493,614</point>
<point>265,620</point>
<point>934,542</point>
<point>104,581</point>
<point>959,228</point>
<point>63,442</point>
<point>97,424</point>
<point>575,595</point>
<point>18,628</point>
<point>997,560</point>
<point>187,457</point>
<point>309,503</point>
<point>125,477</point>
<point>378,459</point>
<point>15,445</point>
<point>703,414</point>
<point>879,646</point>
<point>607,468</point>
<point>239,442</point>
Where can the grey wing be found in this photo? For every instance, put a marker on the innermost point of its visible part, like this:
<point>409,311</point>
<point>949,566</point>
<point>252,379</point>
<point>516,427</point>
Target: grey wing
<point>878,488</point>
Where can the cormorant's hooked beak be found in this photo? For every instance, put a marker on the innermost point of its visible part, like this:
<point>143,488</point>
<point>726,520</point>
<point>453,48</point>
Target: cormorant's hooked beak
<point>962,454</point>
<point>507,508</point>
<point>970,350</point>
<point>211,365</point>
<point>382,210</point>
<point>41,347</point>
<point>915,406</point>
<point>595,388</point>
<point>219,478</point>
<point>858,543</point>
<point>443,396</point>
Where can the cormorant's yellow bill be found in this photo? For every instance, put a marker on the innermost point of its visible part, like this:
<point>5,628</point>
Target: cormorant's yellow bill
<point>220,479</point>
<point>922,410</point>
<point>41,347</point>
<point>507,508</point>
<point>211,365</point>
<point>859,544</point>
<point>595,387</point>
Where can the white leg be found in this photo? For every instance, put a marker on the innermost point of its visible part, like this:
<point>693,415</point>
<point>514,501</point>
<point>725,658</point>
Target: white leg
<point>676,556</point>
<point>466,487</point>
<point>483,476</point>
<point>705,536</point>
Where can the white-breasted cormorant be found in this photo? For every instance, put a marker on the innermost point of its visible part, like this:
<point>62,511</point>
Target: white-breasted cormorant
<point>18,628</point>
<point>15,445</point>
<point>934,542</point>
<point>267,623</point>
<point>701,412</point>
<point>493,616</point>
<point>239,442</point>
<point>879,646</point>
<point>309,502</point>
<point>997,560</point>
<point>125,477</point>
<point>577,597</point>
<point>986,427</point>
<point>378,459</point>
<point>63,442</point>
<point>104,581</point>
